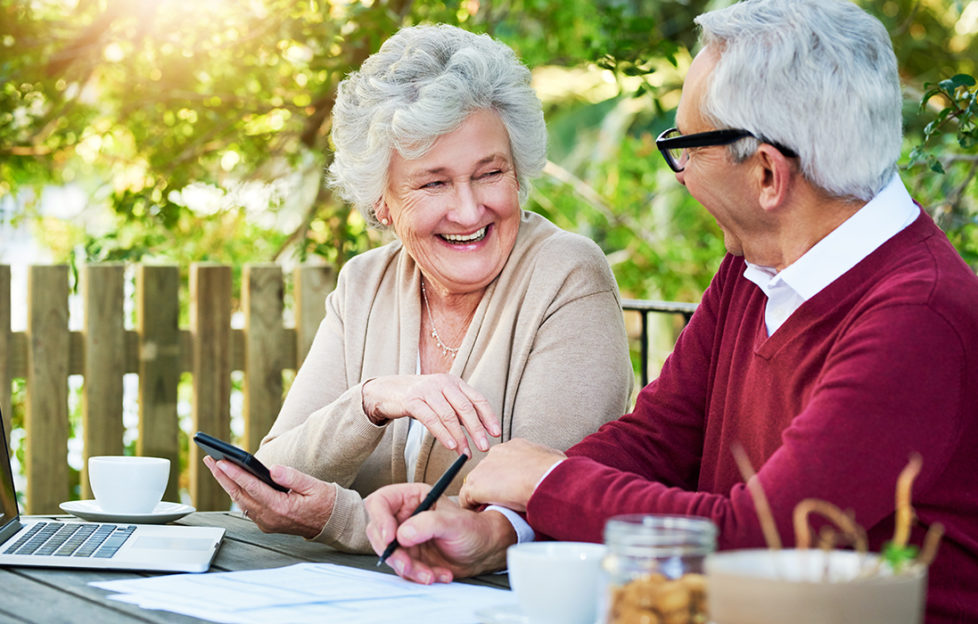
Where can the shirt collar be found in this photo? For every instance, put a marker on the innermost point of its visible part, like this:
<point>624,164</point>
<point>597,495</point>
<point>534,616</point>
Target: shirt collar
<point>867,229</point>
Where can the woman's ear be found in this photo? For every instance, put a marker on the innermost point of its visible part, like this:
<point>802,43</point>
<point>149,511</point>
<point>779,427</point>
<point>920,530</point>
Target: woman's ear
<point>382,212</point>
<point>776,175</point>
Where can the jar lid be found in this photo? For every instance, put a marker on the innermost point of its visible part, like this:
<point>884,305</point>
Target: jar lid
<point>660,535</point>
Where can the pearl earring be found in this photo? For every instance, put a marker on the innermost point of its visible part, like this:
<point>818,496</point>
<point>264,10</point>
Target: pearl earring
<point>384,222</point>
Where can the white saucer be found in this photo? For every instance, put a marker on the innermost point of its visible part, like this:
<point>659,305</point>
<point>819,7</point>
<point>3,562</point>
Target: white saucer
<point>501,614</point>
<point>164,512</point>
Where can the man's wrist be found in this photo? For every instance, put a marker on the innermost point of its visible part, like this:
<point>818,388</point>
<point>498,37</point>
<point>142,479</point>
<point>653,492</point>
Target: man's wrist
<point>524,532</point>
<point>500,535</point>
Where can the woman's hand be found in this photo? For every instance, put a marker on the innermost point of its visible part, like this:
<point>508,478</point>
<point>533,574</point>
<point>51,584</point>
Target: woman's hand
<point>437,545</point>
<point>303,510</point>
<point>443,403</point>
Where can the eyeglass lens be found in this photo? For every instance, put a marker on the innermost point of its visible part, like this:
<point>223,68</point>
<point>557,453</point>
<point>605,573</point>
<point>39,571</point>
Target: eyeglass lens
<point>677,155</point>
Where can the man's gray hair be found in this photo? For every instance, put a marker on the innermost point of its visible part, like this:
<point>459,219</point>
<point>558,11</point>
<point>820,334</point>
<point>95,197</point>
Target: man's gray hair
<point>818,76</point>
<point>423,83</point>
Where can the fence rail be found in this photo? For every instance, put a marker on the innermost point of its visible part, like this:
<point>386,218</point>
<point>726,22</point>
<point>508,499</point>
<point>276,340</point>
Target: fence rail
<point>159,351</point>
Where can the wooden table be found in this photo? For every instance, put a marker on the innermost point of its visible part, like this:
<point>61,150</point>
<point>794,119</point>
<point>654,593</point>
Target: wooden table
<point>40,595</point>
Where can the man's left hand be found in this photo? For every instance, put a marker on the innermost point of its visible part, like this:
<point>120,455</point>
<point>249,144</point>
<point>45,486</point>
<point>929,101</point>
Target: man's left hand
<point>508,474</point>
<point>441,544</point>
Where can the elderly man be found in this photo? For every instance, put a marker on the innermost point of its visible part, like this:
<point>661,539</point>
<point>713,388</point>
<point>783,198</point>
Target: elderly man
<point>838,337</point>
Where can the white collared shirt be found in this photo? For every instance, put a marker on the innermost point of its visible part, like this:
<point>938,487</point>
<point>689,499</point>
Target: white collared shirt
<point>889,212</point>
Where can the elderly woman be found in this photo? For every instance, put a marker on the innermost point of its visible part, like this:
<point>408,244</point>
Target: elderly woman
<point>480,323</point>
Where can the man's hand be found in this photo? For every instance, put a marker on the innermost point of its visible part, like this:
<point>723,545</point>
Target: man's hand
<point>508,474</point>
<point>443,403</point>
<point>437,545</point>
<point>303,511</point>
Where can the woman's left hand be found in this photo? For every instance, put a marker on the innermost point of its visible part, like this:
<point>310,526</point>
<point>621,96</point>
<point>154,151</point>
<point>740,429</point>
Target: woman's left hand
<point>445,404</point>
<point>303,510</point>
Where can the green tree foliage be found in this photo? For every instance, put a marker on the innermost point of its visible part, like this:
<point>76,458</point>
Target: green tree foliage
<point>199,130</point>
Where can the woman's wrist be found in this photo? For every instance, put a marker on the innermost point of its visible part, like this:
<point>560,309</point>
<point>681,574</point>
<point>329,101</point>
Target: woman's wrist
<point>369,403</point>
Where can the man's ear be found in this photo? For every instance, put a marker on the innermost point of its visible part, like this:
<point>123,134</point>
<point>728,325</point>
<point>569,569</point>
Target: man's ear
<point>776,175</point>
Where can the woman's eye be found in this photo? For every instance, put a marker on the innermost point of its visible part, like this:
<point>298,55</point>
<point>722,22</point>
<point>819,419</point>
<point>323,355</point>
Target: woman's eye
<point>492,174</point>
<point>433,184</point>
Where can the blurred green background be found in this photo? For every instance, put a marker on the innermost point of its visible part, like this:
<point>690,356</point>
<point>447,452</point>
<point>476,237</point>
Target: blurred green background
<point>183,131</point>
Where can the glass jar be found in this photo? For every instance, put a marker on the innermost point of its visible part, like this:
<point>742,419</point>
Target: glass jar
<point>654,569</point>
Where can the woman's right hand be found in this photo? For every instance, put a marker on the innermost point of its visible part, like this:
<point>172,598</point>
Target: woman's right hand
<point>443,403</point>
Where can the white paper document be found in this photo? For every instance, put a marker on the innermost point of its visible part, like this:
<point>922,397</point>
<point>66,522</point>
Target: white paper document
<point>308,593</point>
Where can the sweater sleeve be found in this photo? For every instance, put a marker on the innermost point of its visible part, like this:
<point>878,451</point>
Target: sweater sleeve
<point>577,375</point>
<point>322,429</point>
<point>880,396</point>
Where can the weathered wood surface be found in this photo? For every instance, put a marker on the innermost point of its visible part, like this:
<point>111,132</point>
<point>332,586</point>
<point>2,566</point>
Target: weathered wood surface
<point>159,351</point>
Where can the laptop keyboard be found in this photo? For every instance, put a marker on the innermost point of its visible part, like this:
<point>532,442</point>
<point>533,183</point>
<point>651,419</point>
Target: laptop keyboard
<point>72,539</point>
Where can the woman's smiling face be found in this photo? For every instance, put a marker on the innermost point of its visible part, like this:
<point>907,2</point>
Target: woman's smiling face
<point>456,209</point>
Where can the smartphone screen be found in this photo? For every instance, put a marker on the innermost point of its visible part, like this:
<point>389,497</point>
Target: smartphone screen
<point>219,449</point>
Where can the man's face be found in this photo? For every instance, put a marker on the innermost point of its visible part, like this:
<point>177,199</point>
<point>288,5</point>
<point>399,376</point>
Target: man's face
<point>710,175</point>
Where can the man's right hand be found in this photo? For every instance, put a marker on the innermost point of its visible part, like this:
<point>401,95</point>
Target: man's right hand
<point>438,545</point>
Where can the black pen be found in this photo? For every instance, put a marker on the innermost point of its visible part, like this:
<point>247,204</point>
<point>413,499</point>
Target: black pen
<point>428,501</point>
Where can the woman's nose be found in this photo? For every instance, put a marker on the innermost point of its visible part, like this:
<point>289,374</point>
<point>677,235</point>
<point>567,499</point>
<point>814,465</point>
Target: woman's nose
<point>467,205</point>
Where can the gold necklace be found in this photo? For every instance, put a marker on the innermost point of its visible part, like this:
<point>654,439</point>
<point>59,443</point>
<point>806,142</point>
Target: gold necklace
<point>445,349</point>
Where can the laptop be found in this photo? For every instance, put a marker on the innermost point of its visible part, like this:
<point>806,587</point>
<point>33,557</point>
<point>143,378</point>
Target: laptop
<point>72,543</point>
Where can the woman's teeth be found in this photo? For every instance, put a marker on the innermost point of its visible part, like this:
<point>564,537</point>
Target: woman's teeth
<point>468,238</point>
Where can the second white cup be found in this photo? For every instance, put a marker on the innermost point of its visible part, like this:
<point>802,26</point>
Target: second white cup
<point>128,484</point>
<point>556,582</point>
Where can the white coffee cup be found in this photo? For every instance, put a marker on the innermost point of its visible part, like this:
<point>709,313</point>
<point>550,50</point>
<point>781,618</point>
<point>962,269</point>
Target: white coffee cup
<point>556,582</point>
<point>127,484</point>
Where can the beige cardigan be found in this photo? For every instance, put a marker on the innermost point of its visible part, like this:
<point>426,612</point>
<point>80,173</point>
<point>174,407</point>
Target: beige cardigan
<point>546,346</point>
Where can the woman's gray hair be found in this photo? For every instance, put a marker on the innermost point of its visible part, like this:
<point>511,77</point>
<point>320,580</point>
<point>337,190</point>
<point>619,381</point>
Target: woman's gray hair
<point>423,83</point>
<point>818,76</point>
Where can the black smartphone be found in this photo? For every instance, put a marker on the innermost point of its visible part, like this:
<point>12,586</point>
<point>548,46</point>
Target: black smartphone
<point>219,449</point>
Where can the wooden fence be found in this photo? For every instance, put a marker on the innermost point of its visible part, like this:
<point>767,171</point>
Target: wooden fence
<point>159,351</point>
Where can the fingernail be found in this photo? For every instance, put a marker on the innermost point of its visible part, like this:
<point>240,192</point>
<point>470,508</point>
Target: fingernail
<point>424,578</point>
<point>444,578</point>
<point>397,565</point>
<point>483,443</point>
<point>408,533</point>
<point>452,443</point>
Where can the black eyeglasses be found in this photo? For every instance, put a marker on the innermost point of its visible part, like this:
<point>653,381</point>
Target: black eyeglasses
<point>675,146</point>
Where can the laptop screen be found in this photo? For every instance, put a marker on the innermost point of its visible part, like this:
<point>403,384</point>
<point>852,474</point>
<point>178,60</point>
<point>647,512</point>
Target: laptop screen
<point>8,496</point>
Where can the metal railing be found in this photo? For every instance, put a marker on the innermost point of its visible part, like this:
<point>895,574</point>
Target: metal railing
<point>645,307</point>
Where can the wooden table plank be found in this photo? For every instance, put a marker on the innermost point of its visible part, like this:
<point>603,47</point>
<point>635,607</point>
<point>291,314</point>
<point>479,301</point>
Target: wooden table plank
<point>292,546</point>
<point>53,595</point>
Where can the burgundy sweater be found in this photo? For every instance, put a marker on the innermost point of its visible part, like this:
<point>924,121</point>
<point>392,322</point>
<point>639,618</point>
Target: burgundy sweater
<point>881,363</point>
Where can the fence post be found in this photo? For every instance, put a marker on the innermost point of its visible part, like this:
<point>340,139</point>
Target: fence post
<point>312,284</point>
<point>46,417</point>
<point>262,300</point>
<point>210,327</point>
<point>160,365</point>
<point>102,288</point>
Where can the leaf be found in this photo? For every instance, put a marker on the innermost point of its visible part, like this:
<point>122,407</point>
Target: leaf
<point>958,80</point>
<point>898,557</point>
